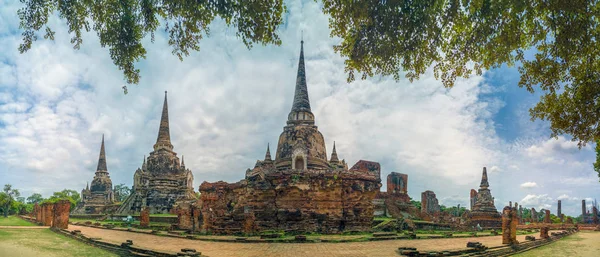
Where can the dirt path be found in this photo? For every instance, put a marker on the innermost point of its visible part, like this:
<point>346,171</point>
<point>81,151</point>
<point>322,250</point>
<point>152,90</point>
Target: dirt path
<point>22,227</point>
<point>221,249</point>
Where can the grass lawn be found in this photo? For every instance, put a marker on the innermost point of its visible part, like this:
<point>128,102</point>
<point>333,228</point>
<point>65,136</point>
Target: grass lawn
<point>43,242</point>
<point>14,221</point>
<point>584,243</point>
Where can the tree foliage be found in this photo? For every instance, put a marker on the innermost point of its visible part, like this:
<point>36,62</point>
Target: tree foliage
<point>7,198</point>
<point>35,198</point>
<point>122,192</point>
<point>121,25</point>
<point>65,194</point>
<point>388,37</point>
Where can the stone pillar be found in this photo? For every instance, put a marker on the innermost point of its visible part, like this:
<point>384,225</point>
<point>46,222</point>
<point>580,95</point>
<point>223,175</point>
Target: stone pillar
<point>184,216</point>
<point>521,215</point>
<point>38,212</point>
<point>196,218</point>
<point>473,198</point>
<point>509,225</point>
<point>47,214</point>
<point>595,213</point>
<point>145,217</point>
<point>547,217</point>
<point>583,208</point>
<point>61,214</point>
<point>559,211</point>
<point>533,215</point>
<point>544,233</point>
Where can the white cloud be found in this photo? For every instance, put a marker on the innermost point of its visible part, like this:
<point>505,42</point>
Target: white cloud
<point>538,202</point>
<point>529,185</point>
<point>495,169</point>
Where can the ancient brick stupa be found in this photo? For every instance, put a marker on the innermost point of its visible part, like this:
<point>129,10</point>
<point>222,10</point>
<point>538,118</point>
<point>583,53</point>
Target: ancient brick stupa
<point>162,181</point>
<point>301,190</point>
<point>484,211</point>
<point>97,198</point>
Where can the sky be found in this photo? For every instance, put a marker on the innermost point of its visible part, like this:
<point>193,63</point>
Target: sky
<point>226,103</point>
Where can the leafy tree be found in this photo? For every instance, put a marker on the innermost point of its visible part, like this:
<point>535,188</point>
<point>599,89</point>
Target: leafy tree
<point>416,204</point>
<point>597,163</point>
<point>7,198</point>
<point>35,198</point>
<point>459,38</point>
<point>66,194</point>
<point>122,192</point>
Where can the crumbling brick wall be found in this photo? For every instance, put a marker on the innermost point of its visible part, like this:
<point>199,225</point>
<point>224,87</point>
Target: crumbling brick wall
<point>47,214</point>
<point>62,209</point>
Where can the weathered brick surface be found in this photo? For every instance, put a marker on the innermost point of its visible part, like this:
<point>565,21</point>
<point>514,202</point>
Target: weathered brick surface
<point>509,225</point>
<point>544,233</point>
<point>145,218</point>
<point>484,211</point>
<point>47,214</point>
<point>547,217</point>
<point>397,183</point>
<point>61,214</point>
<point>429,203</point>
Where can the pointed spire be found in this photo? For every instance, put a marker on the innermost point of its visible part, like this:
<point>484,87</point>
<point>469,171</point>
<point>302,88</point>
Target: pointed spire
<point>268,154</point>
<point>87,186</point>
<point>334,156</point>
<point>164,138</point>
<point>182,162</point>
<point>144,163</point>
<point>102,158</point>
<point>301,106</point>
<point>484,179</point>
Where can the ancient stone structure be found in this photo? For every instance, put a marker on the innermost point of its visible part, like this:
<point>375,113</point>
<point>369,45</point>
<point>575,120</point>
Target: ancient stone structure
<point>37,212</point>
<point>47,214</point>
<point>145,217</point>
<point>429,203</point>
<point>298,191</point>
<point>99,197</point>
<point>521,215</point>
<point>473,198</point>
<point>509,225</point>
<point>163,181</point>
<point>595,213</point>
<point>534,217</point>
<point>484,212</point>
<point>544,233</point>
<point>583,212</point>
<point>397,183</point>
<point>61,214</point>
<point>547,217</point>
<point>558,211</point>
<point>395,200</point>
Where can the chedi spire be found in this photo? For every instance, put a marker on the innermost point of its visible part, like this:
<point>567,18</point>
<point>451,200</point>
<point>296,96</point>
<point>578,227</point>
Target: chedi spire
<point>102,158</point>
<point>334,156</point>
<point>163,141</point>
<point>484,179</point>
<point>301,113</point>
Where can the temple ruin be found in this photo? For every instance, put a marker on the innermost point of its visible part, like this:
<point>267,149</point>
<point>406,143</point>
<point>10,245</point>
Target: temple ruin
<point>162,181</point>
<point>429,203</point>
<point>99,198</point>
<point>300,190</point>
<point>484,212</point>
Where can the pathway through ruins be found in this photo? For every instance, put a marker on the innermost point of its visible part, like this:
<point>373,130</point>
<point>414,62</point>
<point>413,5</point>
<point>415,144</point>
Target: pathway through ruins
<point>222,249</point>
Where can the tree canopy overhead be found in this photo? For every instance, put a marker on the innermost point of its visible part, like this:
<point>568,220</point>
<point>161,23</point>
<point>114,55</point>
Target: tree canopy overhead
<point>458,38</point>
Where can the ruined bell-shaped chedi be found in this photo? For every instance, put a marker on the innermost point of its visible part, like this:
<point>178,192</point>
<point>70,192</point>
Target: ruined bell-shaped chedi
<point>100,196</point>
<point>300,190</point>
<point>162,181</point>
<point>484,211</point>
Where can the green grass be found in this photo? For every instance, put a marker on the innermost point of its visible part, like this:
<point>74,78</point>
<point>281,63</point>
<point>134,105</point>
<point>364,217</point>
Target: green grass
<point>163,215</point>
<point>14,221</point>
<point>574,245</point>
<point>43,242</point>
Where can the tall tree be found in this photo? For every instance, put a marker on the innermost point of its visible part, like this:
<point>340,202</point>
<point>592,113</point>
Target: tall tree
<point>8,198</point>
<point>35,198</point>
<point>390,37</point>
<point>122,192</point>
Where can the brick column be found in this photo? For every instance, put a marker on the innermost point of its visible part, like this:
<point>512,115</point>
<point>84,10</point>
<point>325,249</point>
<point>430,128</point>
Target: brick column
<point>61,214</point>
<point>544,233</point>
<point>145,217</point>
<point>47,214</point>
<point>547,217</point>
